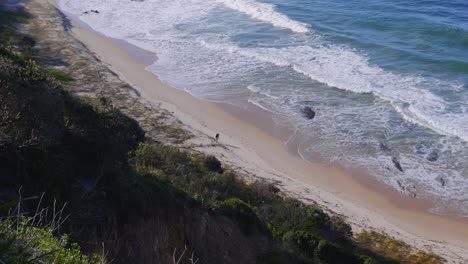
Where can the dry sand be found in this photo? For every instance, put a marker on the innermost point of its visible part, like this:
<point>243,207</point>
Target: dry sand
<point>247,147</point>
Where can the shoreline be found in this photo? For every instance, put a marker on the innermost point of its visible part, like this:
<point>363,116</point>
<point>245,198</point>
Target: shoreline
<point>366,204</point>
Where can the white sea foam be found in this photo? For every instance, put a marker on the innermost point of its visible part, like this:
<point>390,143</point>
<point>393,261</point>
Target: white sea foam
<point>254,88</point>
<point>261,91</point>
<point>445,123</point>
<point>138,20</point>
<point>265,12</point>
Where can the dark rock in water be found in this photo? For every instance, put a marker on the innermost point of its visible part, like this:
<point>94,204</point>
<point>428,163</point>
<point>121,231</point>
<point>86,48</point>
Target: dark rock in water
<point>384,147</point>
<point>442,181</point>
<point>308,112</point>
<point>95,11</point>
<point>433,156</point>
<point>397,164</point>
<point>85,12</point>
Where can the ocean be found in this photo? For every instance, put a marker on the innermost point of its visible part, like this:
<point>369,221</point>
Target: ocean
<point>387,79</point>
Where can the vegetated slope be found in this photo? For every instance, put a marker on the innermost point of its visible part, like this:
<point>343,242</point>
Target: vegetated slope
<point>53,142</point>
<point>139,201</point>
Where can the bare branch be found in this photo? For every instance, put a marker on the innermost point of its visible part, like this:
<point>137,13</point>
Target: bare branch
<point>192,260</point>
<point>180,257</point>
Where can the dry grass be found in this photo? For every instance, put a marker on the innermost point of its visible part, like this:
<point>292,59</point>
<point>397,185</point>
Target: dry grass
<point>392,248</point>
<point>175,133</point>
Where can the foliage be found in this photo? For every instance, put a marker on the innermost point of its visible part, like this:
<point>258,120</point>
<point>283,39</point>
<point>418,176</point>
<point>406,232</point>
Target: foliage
<point>255,205</point>
<point>8,22</point>
<point>306,228</point>
<point>46,132</point>
<point>23,242</point>
<point>213,164</point>
<point>391,248</point>
<point>60,75</point>
<point>186,174</point>
<point>329,253</point>
<point>237,207</point>
<point>270,257</point>
<point>302,240</point>
<point>242,212</point>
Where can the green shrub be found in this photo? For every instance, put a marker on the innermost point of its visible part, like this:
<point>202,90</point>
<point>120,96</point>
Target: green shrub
<point>368,260</point>
<point>24,243</point>
<point>241,211</point>
<point>302,240</point>
<point>60,75</point>
<point>271,257</point>
<point>211,163</point>
<point>393,249</point>
<point>328,253</point>
<point>51,140</point>
<point>28,42</point>
<point>292,215</point>
<point>8,21</point>
<point>151,156</point>
<point>340,226</point>
<point>236,207</point>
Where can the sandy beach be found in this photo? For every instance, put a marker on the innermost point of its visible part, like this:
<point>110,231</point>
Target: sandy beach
<point>250,142</point>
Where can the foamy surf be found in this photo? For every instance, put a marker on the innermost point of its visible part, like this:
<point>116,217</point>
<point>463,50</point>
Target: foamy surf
<point>265,12</point>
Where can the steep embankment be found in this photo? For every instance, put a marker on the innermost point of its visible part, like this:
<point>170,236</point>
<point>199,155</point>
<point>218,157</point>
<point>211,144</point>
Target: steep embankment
<point>77,153</point>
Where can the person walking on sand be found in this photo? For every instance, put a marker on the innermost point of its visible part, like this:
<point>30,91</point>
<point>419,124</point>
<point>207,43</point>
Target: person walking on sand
<point>217,137</point>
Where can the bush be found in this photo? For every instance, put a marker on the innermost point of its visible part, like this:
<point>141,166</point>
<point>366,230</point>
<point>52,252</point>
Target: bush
<point>51,140</point>
<point>368,260</point>
<point>290,215</point>
<point>391,248</point>
<point>302,240</point>
<point>236,207</point>
<point>211,163</point>
<point>241,211</point>
<point>328,253</point>
<point>60,76</point>
<point>151,156</point>
<point>8,22</point>
<point>25,243</point>
<point>271,257</point>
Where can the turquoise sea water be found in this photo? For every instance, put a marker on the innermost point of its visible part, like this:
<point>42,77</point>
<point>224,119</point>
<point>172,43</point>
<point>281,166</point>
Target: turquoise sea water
<point>387,79</point>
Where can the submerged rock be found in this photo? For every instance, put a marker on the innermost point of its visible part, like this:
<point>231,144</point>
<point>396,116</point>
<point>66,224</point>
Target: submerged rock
<point>442,181</point>
<point>308,112</point>
<point>383,146</point>
<point>397,164</point>
<point>433,156</point>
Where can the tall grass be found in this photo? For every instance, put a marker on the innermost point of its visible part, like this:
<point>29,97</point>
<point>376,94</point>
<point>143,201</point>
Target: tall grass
<point>392,248</point>
<point>35,239</point>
